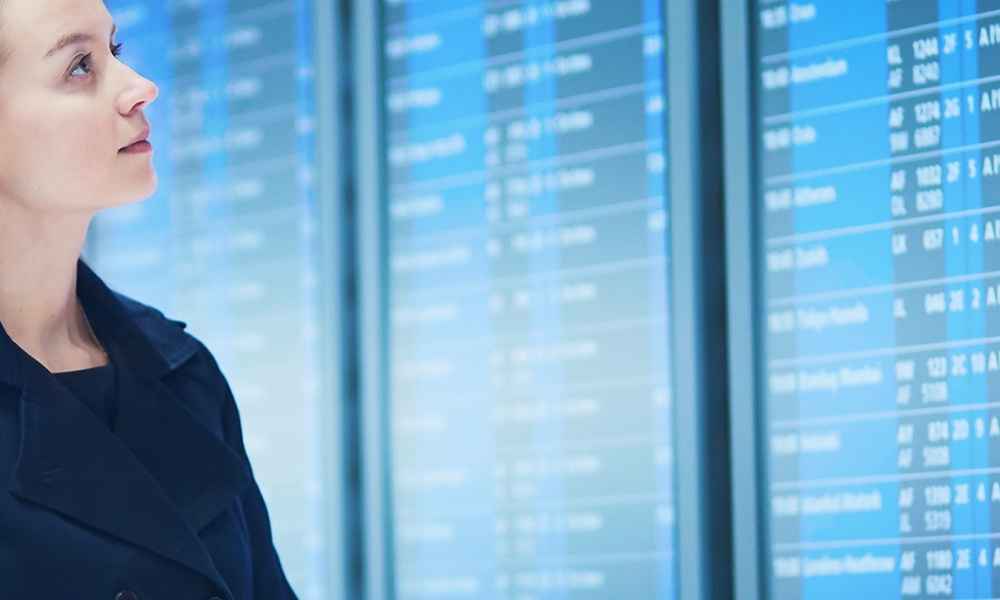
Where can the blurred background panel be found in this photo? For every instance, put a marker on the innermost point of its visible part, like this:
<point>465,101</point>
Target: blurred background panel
<point>230,243</point>
<point>524,218</point>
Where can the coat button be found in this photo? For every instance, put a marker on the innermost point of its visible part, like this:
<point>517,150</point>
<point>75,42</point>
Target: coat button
<point>126,595</point>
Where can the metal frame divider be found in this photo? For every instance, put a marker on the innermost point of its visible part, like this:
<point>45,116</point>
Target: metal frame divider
<point>371,241</point>
<point>741,231</point>
<point>336,305</point>
<point>699,298</point>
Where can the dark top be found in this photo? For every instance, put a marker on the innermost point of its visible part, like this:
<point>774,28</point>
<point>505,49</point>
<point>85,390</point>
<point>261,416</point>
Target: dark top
<point>165,506</point>
<point>95,388</point>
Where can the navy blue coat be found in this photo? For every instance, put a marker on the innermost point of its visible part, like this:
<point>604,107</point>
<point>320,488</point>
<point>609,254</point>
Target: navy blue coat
<point>166,507</point>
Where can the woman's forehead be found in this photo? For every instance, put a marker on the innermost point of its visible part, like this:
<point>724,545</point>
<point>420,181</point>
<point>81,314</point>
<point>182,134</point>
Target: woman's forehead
<point>38,24</point>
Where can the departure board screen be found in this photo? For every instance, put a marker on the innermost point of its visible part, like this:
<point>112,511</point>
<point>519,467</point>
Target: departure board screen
<point>879,261</point>
<point>227,243</point>
<point>529,387</point>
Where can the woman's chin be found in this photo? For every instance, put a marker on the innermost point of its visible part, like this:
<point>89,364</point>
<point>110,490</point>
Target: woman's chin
<point>136,194</point>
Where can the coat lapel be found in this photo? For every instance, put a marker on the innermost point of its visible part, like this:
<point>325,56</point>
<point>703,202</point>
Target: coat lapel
<point>155,482</point>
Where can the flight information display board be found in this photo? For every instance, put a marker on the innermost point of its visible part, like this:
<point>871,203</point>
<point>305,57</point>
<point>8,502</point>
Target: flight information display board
<point>529,387</point>
<point>227,244</point>
<point>878,200</point>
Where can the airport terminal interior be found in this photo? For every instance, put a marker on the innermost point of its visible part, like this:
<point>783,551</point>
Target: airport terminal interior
<point>590,299</point>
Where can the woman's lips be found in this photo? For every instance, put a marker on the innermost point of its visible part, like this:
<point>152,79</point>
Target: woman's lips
<point>140,147</point>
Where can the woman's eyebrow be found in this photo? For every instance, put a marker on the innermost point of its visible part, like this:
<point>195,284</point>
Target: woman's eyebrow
<point>74,38</point>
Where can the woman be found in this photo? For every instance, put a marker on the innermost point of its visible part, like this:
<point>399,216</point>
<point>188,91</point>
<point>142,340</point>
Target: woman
<point>123,474</point>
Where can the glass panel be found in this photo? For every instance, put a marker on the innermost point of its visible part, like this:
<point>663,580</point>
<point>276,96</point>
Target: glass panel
<point>527,229</point>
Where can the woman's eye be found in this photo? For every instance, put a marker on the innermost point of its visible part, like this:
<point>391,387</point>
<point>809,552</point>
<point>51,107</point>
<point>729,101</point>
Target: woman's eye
<point>84,63</point>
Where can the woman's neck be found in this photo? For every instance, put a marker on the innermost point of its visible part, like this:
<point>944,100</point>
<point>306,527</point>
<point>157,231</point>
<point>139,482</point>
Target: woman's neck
<point>39,308</point>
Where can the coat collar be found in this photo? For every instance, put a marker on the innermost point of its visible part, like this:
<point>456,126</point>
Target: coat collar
<point>162,475</point>
<point>155,344</point>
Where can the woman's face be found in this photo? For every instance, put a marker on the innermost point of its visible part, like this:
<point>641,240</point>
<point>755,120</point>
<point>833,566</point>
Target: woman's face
<point>66,111</point>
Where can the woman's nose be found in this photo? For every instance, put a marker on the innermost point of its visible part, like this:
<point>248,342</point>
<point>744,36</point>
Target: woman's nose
<point>140,93</point>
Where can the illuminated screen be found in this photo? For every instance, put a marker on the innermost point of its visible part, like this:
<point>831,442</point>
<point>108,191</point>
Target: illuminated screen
<point>878,198</point>
<point>529,409</point>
